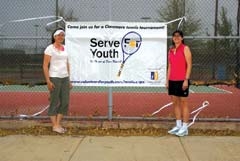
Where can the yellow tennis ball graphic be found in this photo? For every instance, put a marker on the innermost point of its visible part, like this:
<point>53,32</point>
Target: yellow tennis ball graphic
<point>132,43</point>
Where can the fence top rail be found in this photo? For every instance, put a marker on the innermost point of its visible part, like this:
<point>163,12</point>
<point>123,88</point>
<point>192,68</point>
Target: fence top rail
<point>211,37</point>
<point>23,37</point>
<point>169,37</point>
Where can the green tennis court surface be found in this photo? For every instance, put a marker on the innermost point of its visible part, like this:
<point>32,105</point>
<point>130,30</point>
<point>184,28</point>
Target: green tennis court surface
<point>43,88</point>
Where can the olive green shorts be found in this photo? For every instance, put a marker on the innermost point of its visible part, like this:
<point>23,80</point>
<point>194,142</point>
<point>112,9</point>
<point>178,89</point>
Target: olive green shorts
<point>59,97</point>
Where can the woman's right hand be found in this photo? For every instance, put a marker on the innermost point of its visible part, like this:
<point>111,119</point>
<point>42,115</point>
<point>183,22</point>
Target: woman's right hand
<point>50,86</point>
<point>166,85</point>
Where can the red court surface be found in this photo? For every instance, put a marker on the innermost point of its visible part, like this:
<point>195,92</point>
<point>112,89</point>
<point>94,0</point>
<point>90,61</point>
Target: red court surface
<point>222,105</point>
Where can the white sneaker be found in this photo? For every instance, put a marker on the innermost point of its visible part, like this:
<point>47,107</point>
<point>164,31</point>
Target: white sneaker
<point>182,132</point>
<point>174,130</point>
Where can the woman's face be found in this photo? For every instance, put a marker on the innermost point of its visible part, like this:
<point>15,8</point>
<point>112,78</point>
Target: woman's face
<point>59,38</point>
<point>177,38</point>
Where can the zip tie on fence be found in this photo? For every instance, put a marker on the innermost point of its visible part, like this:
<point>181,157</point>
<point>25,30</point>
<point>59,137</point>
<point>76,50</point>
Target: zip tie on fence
<point>22,116</point>
<point>169,104</point>
<point>197,111</point>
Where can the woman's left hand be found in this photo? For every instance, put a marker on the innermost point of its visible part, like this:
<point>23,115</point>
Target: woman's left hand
<point>185,85</point>
<point>70,85</point>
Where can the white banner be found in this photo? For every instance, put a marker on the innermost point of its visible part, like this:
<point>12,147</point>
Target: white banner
<point>117,53</point>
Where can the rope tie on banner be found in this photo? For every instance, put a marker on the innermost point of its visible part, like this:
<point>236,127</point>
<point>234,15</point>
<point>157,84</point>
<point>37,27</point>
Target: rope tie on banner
<point>36,18</point>
<point>23,116</point>
<point>160,109</point>
<point>181,19</point>
<point>197,111</point>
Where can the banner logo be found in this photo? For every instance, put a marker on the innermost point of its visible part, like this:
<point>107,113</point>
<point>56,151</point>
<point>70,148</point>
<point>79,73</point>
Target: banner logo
<point>131,43</point>
<point>154,75</point>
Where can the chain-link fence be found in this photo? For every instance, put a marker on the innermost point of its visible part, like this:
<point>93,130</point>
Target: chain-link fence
<point>211,30</point>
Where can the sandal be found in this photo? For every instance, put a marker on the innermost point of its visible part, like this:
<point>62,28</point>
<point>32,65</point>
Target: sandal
<point>59,130</point>
<point>63,129</point>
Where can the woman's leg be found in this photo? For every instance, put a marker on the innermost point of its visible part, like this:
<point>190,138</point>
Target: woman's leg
<point>185,109</point>
<point>185,112</point>
<point>58,119</point>
<point>54,121</point>
<point>64,97</point>
<point>177,107</point>
<point>177,112</point>
<point>64,100</point>
<point>54,102</point>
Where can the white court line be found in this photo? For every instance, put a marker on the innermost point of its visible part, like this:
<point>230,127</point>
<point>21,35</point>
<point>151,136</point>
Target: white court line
<point>223,90</point>
<point>192,91</point>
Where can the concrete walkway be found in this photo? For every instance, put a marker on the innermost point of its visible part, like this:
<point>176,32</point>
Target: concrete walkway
<point>110,148</point>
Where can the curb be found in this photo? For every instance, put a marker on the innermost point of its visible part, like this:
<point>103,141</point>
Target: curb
<point>104,124</point>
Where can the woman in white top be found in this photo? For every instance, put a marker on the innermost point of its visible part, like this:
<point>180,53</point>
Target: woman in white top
<point>56,72</point>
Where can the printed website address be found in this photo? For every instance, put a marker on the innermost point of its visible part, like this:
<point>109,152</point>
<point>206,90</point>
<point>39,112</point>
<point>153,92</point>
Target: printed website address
<point>109,82</point>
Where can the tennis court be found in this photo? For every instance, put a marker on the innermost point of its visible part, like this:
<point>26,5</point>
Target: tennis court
<point>25,35</point>
<point>128,102</point>
<point>81,89</point>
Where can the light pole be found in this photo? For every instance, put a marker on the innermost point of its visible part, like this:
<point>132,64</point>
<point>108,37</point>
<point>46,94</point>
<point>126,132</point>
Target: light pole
<point>36,42</point>
<point>57,12</point>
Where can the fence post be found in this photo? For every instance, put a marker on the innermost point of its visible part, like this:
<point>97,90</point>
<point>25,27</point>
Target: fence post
<point>110,103</point>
